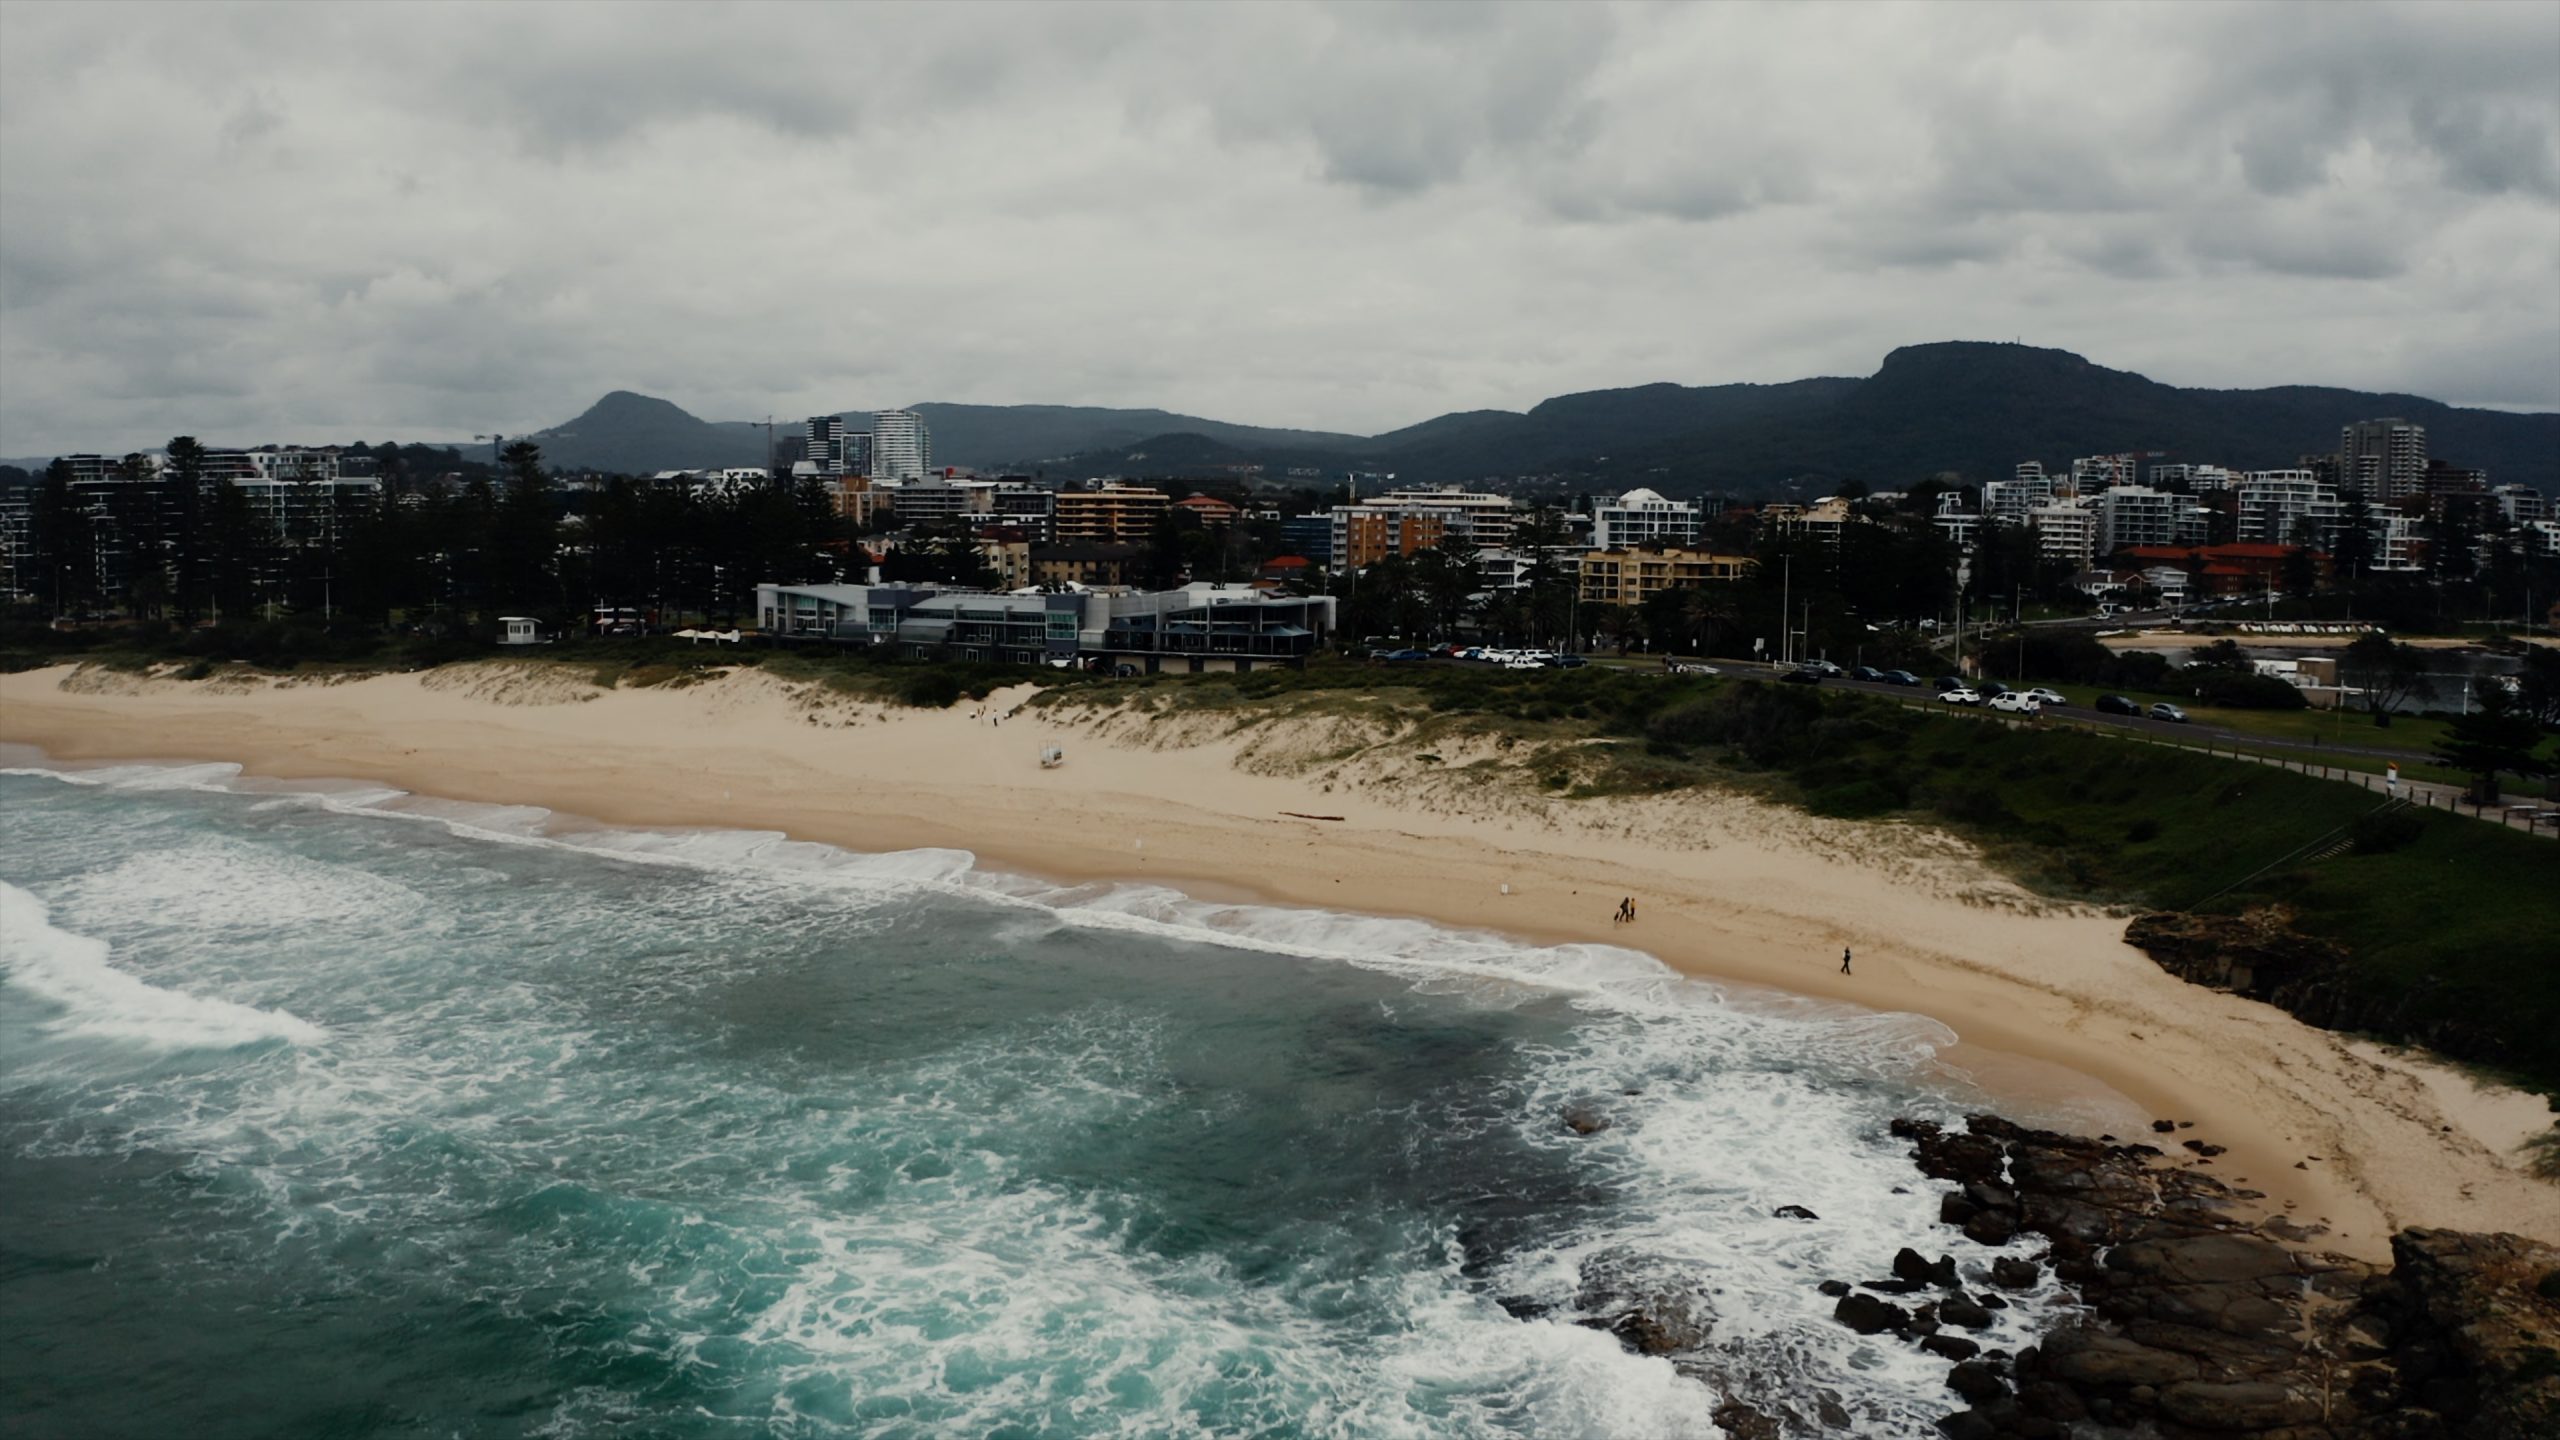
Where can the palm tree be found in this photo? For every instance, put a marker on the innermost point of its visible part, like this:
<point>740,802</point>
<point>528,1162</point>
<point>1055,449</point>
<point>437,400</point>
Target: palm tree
<point>1707,609</point>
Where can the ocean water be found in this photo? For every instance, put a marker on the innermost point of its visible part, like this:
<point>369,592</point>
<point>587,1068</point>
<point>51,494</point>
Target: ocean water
<point>329,1111</point>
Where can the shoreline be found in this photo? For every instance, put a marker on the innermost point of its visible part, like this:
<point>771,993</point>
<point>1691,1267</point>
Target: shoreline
<point>2044,999</point>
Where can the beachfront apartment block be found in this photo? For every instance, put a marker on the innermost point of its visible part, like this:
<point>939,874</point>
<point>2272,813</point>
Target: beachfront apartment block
<point>1112,513</point>
<point>2066,531</point>
<point>1401,522</point>
<point>1632,576</point>
<point>1643,517</point>
<point>2288,507</point>
<point>1191,630</point>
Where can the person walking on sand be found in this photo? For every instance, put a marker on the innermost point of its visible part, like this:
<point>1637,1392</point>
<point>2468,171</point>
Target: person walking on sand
<point>1844,959</point>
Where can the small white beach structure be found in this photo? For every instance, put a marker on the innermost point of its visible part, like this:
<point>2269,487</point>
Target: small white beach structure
<point>519,630</point>
<point>1052,757</point>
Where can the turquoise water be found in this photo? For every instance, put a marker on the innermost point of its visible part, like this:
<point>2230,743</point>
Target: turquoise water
<point>333,1112</point>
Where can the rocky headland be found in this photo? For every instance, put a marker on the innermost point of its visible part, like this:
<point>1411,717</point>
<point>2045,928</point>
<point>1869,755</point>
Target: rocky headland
<point>2200,1323</point>
<point>2192,1321</point>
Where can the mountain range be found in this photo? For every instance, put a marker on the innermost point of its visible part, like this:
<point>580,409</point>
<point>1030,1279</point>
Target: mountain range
<point>1975,409</point>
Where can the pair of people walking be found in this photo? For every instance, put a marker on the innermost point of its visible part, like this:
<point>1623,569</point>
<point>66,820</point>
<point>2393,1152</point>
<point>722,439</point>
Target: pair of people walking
<point>1626,912</point>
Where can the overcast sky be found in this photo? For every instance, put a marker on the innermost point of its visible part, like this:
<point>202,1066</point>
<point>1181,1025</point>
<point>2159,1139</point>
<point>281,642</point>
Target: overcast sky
<point>336,222</point>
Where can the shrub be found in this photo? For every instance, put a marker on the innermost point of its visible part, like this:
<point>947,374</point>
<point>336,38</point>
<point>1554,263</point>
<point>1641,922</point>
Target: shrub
<point>2381,832</point>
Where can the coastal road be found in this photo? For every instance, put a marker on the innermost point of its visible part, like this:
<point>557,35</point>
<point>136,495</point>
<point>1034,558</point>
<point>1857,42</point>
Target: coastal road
<point>2190,733</point>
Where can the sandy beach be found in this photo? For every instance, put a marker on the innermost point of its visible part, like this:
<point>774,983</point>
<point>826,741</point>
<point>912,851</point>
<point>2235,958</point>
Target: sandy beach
<point>2052,1009</point>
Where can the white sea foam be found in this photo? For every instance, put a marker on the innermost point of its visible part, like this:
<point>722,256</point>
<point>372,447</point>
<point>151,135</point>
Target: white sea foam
<point>1742,1102</point>
<point>99,1000</point>
<point>220,886</point>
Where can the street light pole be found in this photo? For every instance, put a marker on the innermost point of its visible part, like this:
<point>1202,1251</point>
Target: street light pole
<point>1786,606</point>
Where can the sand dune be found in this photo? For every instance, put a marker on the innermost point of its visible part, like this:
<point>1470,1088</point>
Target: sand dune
<point>2054,1012</point>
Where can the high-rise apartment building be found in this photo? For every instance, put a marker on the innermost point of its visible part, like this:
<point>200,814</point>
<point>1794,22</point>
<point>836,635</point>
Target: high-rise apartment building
<point>2288,507</point>
<point>901,446</point>
<point>1114,512</point>
<point>2093,473</point>
<point>2066,530</point>
<point>1641,517</point>
<point>2139,515</point>
<point>2386,459</point>
<point>2011,500</point>
<point>826,445</point>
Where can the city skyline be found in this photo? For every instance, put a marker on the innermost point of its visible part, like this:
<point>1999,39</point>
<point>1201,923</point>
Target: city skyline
<point>244,221</point>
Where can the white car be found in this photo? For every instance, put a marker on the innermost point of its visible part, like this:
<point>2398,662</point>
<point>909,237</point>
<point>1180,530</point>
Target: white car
<point>1960,697</point>
<point>2042,696</point>
<point>2016,702</point>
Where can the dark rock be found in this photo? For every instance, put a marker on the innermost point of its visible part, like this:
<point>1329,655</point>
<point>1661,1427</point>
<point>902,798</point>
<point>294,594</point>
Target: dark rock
<point>1960,1311</point>
<point>1583,1120</point>
<point>2203,1259</point>
<point>1831,1412</point>
<point>1976,1382</point>
<point>2201,1147</point>
<point>1742,1422</point>
<point>1794,1212</point>
<point>2163,1127</point>
<point>2051,1401</point>
<point>1965,1425</point>
<point>1892,1287</point>
<point>2083,1357</point>
<point>1955,1209</point>
<point>1911,1266</point>
<point>1671,1330</point>
<point>1868,1316</point>
<point>1651,1311</point>
<point>1833,1287</point>
<point>1991,1227</point>
<point>1950,1347</point>
<point>2241,1405</point>
<point>1990,1302</point>
<point>2011,1274</point>
<point>1990,1196</point>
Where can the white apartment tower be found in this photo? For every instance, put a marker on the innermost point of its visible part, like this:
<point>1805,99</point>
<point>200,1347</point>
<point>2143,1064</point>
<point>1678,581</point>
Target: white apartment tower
<point>2288,507</point>
<point>2386,459</point>
<point>901,447</point>
<point>1640,517</point>
<point>2140,515</point>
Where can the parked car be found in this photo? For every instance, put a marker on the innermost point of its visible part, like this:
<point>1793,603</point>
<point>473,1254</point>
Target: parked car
<point>2166,711</point>
<point>1952,682</point>
<point>1990,689</point>
<point>1406,655</point>
<point>1802,675</point>
<point>1868,673</point>
<point>2042,696</point>
<point>1901,677</point>
<point>1567,662</point>
<point>1822,667</point>
<point>1960,696</point>
<point>2118,705</point>
<point>2015,703</point>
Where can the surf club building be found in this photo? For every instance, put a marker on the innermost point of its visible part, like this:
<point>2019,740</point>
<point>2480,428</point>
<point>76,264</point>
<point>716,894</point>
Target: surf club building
<point>1192,630</point>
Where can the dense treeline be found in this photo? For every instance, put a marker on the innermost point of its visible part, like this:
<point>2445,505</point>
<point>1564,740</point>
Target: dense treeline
<point>438,548</point>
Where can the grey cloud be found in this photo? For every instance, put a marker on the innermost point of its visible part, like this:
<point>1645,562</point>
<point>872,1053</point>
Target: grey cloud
<point>2487,148</point>
<point>282,221</point>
